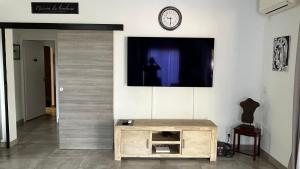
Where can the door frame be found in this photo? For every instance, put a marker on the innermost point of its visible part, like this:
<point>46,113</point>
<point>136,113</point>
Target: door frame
<point>28,25</point>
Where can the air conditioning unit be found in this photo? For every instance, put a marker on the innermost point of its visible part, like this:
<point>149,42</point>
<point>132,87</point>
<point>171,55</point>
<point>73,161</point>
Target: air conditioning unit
<point>271,7</point>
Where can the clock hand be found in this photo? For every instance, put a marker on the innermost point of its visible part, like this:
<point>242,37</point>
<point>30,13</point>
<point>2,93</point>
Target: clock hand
<point>170,20</point>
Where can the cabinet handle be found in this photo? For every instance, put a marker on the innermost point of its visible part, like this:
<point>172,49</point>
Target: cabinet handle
<point>183,143</point>
<point>147,143</point>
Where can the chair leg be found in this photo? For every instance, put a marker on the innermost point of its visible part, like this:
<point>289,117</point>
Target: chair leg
<point>259,137</point>
<point>233,146</point>
<point>239,141</point>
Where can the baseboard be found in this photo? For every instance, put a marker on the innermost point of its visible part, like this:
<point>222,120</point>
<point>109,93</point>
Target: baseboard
<point>266,156</point>
<point>272,160</point>
<point>36,117</point>
<point>12,143</point>
<point>20,122</point>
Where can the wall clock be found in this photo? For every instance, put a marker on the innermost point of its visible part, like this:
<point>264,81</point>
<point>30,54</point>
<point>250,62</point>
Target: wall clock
<point>170,18</point>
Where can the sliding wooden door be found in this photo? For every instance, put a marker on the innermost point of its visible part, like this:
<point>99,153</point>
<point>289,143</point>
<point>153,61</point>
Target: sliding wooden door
<point>85,84</point>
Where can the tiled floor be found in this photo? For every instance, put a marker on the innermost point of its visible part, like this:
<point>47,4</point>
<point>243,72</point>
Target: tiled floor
<point>38,149</point>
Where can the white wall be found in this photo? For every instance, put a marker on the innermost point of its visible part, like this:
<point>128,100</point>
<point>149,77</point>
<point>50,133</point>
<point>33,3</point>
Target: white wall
<point>238,33</point>
<point>18,90</point>
<point>10,84</point>
<point>278,90</point>
<point>235,25</point>
<point>2,96</point>
<point>34,34</point>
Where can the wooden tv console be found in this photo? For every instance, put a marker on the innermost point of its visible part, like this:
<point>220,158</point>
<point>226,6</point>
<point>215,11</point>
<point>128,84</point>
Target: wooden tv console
<point>184,139</point>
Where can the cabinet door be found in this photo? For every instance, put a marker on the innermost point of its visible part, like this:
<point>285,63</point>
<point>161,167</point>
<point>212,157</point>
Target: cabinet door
<point>196,143</point>
<point>135,143</point>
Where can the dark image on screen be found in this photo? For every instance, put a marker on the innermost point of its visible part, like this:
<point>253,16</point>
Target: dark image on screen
<point>178,62</point>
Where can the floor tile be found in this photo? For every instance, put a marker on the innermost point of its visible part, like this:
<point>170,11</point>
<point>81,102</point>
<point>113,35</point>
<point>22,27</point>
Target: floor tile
<point>69,153</point>
<point>34,151</point>
<point>59,163</point>
<point>140,163</point>
<point>19,163</point>
<point>6,153</point>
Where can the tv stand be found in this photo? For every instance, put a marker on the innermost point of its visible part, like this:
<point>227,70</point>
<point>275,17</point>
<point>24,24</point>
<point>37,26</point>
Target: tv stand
<point>166,139</point>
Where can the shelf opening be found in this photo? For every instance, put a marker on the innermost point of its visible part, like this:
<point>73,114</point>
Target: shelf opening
<point>166,149</point>
<point>166,136</point>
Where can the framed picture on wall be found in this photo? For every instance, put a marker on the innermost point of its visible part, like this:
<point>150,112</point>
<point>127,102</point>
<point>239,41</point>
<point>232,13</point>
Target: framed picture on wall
<point>281,53</point>
<point>17,52</point>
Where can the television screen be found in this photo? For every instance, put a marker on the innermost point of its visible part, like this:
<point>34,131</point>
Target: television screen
<point>175,62</point>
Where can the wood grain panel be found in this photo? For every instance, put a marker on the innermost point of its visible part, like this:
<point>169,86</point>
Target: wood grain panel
<point>196,143</point>
<point>135,143</point>
<point>85,71</point>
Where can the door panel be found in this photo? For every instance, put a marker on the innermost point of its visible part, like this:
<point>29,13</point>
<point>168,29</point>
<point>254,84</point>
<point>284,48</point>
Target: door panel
<point>34,88</point>
<point>196,143</point>
<point>85,73</point>
<point>135,143</point>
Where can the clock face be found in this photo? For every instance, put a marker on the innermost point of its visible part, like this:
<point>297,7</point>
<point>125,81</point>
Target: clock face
<point>170,18</point>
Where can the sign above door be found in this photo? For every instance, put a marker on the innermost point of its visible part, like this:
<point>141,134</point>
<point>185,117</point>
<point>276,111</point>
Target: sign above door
<point>54,8</point>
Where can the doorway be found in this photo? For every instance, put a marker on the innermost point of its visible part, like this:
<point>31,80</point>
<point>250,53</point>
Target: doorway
<point>84,71</point>
<point>50,88</point>
<point>34,70</point>
<point>38,75</point>
<point>9,104</point>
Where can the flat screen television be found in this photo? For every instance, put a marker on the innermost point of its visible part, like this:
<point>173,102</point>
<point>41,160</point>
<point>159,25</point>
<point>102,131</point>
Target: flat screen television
<point>173,62</point>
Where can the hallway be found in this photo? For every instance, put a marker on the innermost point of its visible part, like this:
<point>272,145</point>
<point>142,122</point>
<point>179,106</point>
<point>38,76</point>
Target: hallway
<point>42,130</point>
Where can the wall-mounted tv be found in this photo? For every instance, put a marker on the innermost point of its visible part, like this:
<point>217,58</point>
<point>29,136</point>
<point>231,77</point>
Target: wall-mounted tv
<point>173,62</point>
